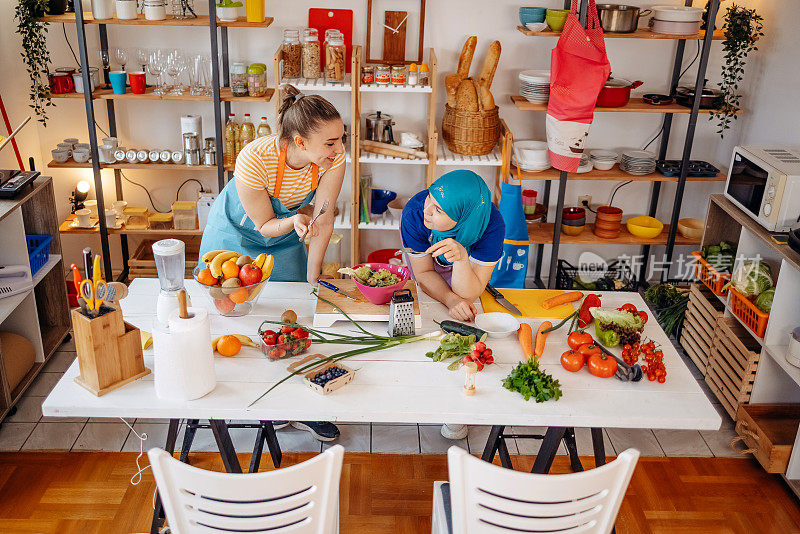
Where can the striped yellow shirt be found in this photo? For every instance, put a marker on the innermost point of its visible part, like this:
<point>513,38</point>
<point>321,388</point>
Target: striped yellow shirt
<point>257,167</point>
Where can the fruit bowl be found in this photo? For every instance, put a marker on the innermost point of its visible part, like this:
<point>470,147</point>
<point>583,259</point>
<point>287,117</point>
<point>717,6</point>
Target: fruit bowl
<point>644,226</point>
<point>382,295</point>
<point>231,301</point>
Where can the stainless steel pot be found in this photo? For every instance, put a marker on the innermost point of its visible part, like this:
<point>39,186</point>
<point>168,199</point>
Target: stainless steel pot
<point>379,128</point>
<point>619,18</point>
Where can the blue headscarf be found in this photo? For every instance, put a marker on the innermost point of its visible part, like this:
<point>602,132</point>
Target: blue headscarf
<point>465,198</point>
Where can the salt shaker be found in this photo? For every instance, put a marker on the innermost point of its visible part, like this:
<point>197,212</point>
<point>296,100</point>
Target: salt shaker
<point>401,314</point>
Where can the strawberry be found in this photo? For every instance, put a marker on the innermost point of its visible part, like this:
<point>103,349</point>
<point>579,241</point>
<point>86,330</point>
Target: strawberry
<point>287,329</point>
<point>269,340</point>
<point>300,333</point>
<point>307,343</point>
<point>270,333</point>
<point>281,339</point>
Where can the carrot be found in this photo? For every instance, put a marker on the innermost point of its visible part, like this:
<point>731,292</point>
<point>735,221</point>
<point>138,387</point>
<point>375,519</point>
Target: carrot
<point>541,337</point>
<point>525,335</point>
<point>563,298</point>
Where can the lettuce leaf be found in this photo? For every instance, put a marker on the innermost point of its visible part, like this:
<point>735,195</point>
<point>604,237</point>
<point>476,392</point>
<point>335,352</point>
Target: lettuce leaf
<point>620,317</point>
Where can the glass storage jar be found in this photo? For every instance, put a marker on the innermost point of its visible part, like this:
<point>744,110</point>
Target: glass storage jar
<point>399,75</point>
<point>256,80</point>
<point>334,59</point>
<point>238,79</point>
<point>311,54</point>
<point>367,74</point>
<point>292,61</point>
<point>383,75</point>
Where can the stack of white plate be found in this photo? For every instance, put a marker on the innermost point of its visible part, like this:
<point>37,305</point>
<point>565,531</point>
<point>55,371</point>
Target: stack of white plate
<point>603,160</point>
<point>638,162</point>
<point>534,85</point>
<point>585,164</point>
<point>531,156</point>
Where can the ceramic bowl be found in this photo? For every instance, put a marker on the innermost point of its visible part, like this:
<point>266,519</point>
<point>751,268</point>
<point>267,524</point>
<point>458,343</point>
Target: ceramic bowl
<point>644,226</point>
<point>380,200</point>
<point>382,295</point>
<point>556,18</point>
<point>691,228</point>
<point>81,155</point>
<point>529,15</point>
<point>497,324</point>
<point>606,234</point>
<point>572,230</point>
<point>605,165</point>
<point>574,222</point>
<point>396,207</point>
<point>609,213</point>
<point>571,214</point>
<point>60,155</point>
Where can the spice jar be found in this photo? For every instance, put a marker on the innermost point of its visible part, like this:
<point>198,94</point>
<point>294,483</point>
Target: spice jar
<point>399,75</point>
<point>367,74</point>
<point>257,79</point>
<point>334,59</point>
<point>529,201</point>
<point>292,61</point>
<point>413,76</point>
<point>311,53</point>
<point>382,75</point>
<point>423,74</point>
<point>238,79</point>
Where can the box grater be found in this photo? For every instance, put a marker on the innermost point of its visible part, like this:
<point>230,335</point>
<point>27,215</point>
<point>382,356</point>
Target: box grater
<point>401,313</point>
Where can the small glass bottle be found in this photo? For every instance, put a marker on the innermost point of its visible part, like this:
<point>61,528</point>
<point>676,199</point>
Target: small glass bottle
<point>292,60</point>
<point>367,74</point>
<point>413,76</point>
<point>423,74</point>
<point>334,59</point>
<point>383,75</point>
<point>238,79</point>
<point>311,53</point>
<point>247,133</point>
<point>263,128</point>
<point>399,75</point>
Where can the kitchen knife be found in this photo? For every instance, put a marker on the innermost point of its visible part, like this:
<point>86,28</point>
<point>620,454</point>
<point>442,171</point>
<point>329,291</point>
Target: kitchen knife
<point>502,300</point>
<point>335,289</point>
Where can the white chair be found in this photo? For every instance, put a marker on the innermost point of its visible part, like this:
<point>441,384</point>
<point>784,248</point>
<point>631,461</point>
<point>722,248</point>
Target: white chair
<point>301,499</point>
<point>485,498</point>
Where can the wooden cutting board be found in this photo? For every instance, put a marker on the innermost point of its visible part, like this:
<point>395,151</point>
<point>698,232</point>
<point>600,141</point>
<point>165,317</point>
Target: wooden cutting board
<point>529,302</point>
<point>325,314</point>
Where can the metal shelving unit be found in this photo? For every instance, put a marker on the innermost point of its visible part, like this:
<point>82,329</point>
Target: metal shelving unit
<point>218,41</point>
<point>635,106</point>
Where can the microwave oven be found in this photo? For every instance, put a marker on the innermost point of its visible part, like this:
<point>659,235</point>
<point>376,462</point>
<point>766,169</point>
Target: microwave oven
<point>765,183</point>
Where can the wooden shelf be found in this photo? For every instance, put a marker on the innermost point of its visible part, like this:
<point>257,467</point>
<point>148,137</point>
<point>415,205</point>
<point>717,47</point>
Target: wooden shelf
<point>138,166</point>
<point>106,93</point>
<point>636,105</point>
<point>615,174</point>
<point>641,33</point>
<point>542,234</point>
<point>200,20</point>
<point>67,228</point>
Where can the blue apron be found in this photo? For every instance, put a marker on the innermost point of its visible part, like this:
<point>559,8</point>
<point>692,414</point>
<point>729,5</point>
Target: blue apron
<point>230,228</point>
<point>513,265</point>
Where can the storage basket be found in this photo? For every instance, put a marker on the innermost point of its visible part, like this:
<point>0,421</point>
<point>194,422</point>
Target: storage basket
<point>570,277</point>
<point>471,133</point>
<point>746,311</point>
<point>38,250</point>
<point>709,276</point>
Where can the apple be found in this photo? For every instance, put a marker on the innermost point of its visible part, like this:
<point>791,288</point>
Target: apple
<point>249,274</point>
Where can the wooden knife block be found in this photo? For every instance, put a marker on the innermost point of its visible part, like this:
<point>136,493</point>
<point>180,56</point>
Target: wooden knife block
<point>109,351</point>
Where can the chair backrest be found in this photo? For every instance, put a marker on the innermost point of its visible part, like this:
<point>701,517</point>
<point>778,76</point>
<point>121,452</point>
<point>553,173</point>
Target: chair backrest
<point>303,498</point>
<point>490,499</point>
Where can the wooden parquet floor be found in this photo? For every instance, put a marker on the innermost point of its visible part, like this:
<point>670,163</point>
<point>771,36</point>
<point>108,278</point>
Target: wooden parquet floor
<point>90,493</point>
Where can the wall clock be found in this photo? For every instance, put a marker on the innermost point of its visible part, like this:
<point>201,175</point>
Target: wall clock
<point>394,29</point>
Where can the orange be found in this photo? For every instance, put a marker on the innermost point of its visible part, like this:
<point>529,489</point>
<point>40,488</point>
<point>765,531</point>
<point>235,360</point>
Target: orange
<point>205,277</point>
<point>230,269</point>
<point>229,346</point>
<point>225,305</point>
<point>239,296</point>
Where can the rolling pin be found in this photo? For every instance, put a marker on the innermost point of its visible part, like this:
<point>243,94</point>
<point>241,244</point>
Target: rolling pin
<point>387,146</point>
<point>388,152</point>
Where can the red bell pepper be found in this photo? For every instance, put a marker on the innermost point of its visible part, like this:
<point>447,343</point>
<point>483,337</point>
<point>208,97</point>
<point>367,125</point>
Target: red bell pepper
<point>584,317</point>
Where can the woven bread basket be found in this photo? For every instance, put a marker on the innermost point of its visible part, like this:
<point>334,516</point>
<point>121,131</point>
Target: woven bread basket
<point>471,133</point>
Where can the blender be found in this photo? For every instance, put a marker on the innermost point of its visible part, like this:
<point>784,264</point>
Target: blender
<point>170,256</point>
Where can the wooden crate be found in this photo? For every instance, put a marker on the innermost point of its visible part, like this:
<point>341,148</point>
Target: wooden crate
<point>769,431</point>
<point>142,264</point>
<point>732,365</point>
<point>700,324</point>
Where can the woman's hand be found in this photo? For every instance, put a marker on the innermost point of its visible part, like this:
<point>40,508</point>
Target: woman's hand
<point>301,225</point>
<point>460,309</point>
<point>452,250</point>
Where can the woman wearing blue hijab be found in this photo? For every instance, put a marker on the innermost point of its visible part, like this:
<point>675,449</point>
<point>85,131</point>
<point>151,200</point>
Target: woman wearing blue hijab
<point>454,237</point>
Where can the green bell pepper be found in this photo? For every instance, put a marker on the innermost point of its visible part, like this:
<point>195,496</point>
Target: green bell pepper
<point>608,338</point>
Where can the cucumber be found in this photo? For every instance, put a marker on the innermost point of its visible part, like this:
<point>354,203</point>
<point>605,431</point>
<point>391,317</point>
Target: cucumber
<point>461,328</point>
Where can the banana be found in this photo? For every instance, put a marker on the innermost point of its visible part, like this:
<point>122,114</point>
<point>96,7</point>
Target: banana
<point>208,256</point>
<point>259,261</point>
<point>245,340</point>
<point>219,259</point>
<point>214,343</point>
<point>266,270</point>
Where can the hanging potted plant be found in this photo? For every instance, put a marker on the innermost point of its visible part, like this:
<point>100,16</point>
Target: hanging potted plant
<point>35,53</point>
<point>743,29</point>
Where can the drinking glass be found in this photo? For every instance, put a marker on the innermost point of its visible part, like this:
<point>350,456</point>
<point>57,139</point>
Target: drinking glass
<point>209,89</point>
<point>175,66</point>
<point>104,60</point>
<point>156,64</point>
<point>141,57</point>
<point>121,56</point>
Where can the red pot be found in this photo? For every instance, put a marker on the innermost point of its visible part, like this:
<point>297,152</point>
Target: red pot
<point>616,92</point>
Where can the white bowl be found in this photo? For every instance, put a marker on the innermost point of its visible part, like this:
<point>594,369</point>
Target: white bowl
<point>603,165</point>
<point>396,207</point>
<point>497,324</point>
<point>536,26</point>
<point>60,155</point>
<point>678,13</point>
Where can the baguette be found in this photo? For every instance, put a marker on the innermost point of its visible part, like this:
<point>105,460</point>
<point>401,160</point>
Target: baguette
<point>467,96</point>
<point>487,100</point>
<point>490,64</point>
<point>451,82</point>
<point>465,59</point>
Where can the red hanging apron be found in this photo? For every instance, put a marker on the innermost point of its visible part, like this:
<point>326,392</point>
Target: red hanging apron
<point>578,69</point>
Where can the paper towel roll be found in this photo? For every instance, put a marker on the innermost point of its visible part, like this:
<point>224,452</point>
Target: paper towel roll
<point>192,124</point>
<point>183,359</point>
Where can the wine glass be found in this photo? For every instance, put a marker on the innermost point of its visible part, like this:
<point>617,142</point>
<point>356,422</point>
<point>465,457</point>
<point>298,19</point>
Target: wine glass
<point>175,65</point>
<point>121,56</point>
<point>156,63</point>
<point>141,57</point>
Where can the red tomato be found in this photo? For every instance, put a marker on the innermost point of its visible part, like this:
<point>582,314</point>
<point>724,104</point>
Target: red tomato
<point>602,365</point>
<point>578,338</point>
<point>643,315</point>
<point>572,361</point>
<point>589,349</point>
<point>628,307</point>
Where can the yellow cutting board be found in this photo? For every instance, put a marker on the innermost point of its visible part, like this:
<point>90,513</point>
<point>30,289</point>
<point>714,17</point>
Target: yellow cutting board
<point>529,302</point>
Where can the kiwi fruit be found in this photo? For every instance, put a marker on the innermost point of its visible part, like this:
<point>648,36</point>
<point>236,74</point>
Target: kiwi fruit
<point>216,293</point>
<point>289,316</point>
<point>243,260</point>
<point>230,285</point>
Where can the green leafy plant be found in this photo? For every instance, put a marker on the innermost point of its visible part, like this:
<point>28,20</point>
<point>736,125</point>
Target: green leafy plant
<point>530,381</point>
<point>743,28</point>
<point>35,53</point>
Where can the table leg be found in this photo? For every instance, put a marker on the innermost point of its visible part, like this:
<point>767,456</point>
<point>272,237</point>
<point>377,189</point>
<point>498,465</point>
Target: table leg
<point>258,447</point>
<point>502,450</point>
<point>547,452</point>
<point>272,443</point>
<point>188,438</point>
<point>572,449</point>
<point>225,445</point>
<point>158,512</point>
<point>599,446</point>
<point>492,443</point>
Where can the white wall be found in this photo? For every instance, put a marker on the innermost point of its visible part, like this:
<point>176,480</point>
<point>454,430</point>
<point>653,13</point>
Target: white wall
<point>449,22</point>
